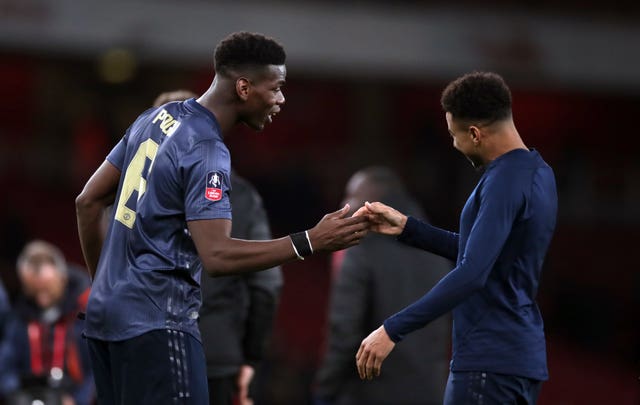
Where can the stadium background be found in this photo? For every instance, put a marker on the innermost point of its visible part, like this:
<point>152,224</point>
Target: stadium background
<point>363,88</point>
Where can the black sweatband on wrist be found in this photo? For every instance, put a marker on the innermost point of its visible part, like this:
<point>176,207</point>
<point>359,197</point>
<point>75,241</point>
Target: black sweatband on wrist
<point>301,244</point>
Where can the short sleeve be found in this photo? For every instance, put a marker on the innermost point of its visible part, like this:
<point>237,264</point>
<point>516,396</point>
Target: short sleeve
<point>206,178</point>
<point>117,155</point>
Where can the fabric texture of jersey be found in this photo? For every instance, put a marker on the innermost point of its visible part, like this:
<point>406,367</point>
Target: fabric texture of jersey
<point>505,230</point>
<point>175,168</point>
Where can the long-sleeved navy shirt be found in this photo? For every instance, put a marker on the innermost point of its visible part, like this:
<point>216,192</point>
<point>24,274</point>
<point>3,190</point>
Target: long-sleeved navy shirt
<point>505,230</point>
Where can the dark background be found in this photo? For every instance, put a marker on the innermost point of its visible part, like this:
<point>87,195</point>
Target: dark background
<point>61,115</point>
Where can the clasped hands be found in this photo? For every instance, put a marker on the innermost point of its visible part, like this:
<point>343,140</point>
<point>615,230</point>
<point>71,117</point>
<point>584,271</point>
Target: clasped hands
<point>382,218</point>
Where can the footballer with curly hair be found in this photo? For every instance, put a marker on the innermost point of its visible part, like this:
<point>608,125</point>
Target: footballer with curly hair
<point>169,181</point>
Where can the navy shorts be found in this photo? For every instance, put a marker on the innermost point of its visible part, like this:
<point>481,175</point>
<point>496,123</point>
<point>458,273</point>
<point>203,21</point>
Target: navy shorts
<point>158,367</point>
<point>483,388</point>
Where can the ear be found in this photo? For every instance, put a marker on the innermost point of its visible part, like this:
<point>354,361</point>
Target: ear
<point>243,88</point>
<point>475,134</point>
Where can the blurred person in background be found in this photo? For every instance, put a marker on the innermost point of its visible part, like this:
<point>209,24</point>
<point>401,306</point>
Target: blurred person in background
<point>237,312</point>
<point>374,280</point>
<point>506,226</point>
<point>169,178</point>
<point>49,359</point>
<point>8,380</point>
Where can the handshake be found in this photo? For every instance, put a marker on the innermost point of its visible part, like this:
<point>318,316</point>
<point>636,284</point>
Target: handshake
<point>338,230</point>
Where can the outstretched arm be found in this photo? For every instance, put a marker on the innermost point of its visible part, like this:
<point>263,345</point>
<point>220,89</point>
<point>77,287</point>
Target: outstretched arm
<point>430,238</point>
<point>97,195</point>
<point>388,221</point>
<point>489,232</point>
<point>222,255</point>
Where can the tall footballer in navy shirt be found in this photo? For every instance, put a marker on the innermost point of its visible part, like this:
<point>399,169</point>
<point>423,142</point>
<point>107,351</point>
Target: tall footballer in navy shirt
<point>168,179</point>
<point>499,353</point>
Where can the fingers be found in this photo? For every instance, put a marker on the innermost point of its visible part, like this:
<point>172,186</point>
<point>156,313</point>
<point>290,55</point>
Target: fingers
<point>370,208</point>
<point>370,366</point>
<point>372,352</point>
<point>353,239</point>
<point>375,212</point>
<point>366,363</point>
<point>361,211</point>
<point>377,366</point>
<point>352,234</point>
<point>354,220</point>
<point>375,207</point>
<point>357,227</point>
<point>361,360</point>
<point>341,213</point>
<point>338,231</point>
<point>378,209</point>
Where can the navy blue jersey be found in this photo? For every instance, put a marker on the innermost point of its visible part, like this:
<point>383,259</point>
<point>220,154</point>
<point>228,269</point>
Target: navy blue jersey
<point>175,168</point>
<point>505,230</point>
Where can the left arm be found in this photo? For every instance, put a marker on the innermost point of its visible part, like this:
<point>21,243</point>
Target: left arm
<point>499,205</point>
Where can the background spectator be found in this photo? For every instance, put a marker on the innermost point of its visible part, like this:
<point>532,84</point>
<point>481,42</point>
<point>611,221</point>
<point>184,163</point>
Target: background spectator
<point>375,280</point>
<point>49,356</point>
<point>237,312</point>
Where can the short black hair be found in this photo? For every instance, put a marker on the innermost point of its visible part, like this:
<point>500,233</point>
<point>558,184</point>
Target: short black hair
<point>477,96</point>
<point>247,49</point>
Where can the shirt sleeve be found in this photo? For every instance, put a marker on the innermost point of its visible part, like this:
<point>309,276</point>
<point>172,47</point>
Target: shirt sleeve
<point>499,206</point>
<point>206,179</point>
<point>117,155</point>
<point>424,236</point>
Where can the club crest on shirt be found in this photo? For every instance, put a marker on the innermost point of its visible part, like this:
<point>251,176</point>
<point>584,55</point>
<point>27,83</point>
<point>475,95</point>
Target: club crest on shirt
<point>213,187</point>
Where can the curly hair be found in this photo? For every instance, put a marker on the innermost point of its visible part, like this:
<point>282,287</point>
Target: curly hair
<point>246,49</point>
<point>477,96</point>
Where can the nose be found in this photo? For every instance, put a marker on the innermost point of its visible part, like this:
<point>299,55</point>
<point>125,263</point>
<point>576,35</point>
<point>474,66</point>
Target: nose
<point>280,100</point>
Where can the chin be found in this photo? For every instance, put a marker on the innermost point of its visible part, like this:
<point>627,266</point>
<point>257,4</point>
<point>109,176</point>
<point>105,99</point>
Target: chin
<point>255,127</point>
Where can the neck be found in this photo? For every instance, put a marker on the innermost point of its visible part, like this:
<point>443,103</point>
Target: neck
<point>504,138</point>
<point>220,101</point>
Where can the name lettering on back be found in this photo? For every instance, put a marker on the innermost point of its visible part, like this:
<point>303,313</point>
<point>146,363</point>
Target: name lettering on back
<point>167,123</point>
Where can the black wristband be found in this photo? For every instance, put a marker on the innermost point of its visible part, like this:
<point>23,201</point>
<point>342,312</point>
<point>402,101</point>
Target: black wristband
<point>301,244</point>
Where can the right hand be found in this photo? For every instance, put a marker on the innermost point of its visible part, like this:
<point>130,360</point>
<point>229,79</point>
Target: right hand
<point>382,218</point>
<point>337,231</point>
